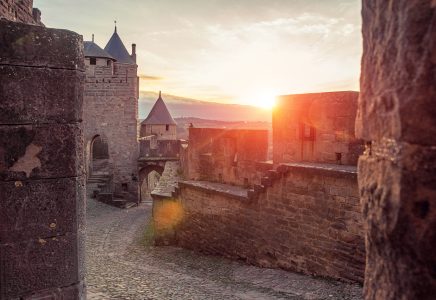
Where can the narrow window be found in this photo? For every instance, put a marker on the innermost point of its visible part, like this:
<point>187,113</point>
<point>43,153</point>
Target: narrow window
<point>92,61</point>
<point>338,158</point>
<point>108,62</point>
<point>167,127</point>
<point>307,132</point>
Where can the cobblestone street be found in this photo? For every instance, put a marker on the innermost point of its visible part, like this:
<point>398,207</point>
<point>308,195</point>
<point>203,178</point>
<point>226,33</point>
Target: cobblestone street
<point>120,266</point>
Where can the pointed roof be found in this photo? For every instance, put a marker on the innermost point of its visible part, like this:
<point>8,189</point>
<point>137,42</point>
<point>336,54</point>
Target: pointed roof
<point>116,48</point>
<point>91,49</point>
<point>159,114</point>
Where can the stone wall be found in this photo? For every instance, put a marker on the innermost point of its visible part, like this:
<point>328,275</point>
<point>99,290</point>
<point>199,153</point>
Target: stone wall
<point>397,173</point>
<point>41,163</point>
<point>20,11</point>
<point>225,155</point>
<point>159,148</point>
<point>162,132</point>
<point>316,127</point>
<point>111,111</point>
<point>308,221</point>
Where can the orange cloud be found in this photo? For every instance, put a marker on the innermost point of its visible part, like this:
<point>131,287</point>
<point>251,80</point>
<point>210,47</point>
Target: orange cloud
<point>149,77</point>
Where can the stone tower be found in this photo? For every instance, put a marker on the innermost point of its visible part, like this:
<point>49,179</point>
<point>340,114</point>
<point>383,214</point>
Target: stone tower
<point>111,113</point>
<point>159,122</point>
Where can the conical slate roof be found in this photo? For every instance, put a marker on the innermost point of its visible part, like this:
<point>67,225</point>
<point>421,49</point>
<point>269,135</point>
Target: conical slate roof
<point>91,49</point>
<point>159,114</point>
<point>116,48</point>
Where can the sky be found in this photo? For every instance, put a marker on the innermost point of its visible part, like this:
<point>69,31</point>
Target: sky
<point>230,51</point>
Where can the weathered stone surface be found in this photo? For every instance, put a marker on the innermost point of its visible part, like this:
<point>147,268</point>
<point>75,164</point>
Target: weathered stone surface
<point>36,46</point>
<point>167,183</point>
<point>164,148</point>
<point>397,173</point>
<point>231,191</point>
<point>398,194</point>
<point>20,11</point>
<point>41,161</point>
<point>74,292</point>
<point>307,221</point>
<point>49,103</point>
<point>38,264</point>
<point>340,171</point>
<point>225,155</point>
<point>40,151</point>
<point>56,213</point>
<point>316,127</point>
<point>398,72</point>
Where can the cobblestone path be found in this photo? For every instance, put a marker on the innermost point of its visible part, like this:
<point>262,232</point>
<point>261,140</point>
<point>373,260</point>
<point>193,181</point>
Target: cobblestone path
<point>119,266</point>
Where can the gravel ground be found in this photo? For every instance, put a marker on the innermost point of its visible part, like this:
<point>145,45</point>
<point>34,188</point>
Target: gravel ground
<point>120,266</point>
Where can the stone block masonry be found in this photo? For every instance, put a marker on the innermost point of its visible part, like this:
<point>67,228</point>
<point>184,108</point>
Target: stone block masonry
<point>308,220</point>
<point>41,163</point>
<point>397,173</point>
<point>316,127</point>
<point>20,11</point>
<point>111,113</point>
<point>225,155</point>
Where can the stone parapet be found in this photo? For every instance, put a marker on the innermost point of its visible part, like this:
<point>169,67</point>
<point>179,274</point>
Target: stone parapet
<point>304,217</point>
<point>52,48</point>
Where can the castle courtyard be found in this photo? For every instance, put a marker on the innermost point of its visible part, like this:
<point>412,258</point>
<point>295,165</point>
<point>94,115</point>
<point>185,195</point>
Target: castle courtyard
<point>121,266</point>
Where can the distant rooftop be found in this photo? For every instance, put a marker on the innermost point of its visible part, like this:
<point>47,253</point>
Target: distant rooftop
<point>159,114</point>
<point>116,49</point>
<point>91,49</point>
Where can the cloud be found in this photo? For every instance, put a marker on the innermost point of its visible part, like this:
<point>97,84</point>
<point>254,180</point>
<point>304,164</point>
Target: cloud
<point>150,77</point>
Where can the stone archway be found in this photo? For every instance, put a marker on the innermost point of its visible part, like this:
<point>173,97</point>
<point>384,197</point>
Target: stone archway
<point>98,154</point>
<point>148,178</point>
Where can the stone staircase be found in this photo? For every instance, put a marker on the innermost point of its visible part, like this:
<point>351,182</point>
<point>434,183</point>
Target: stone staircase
<point>99,186</point>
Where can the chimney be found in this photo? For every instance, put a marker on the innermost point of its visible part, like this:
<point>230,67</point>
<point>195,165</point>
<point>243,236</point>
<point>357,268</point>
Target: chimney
<point>133,52</point>
<point>36,14</point>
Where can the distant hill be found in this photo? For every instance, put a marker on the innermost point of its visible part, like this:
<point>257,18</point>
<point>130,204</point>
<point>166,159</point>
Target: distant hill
<point>185,107</point>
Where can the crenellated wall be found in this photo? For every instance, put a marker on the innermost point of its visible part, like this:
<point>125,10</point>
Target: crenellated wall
<point>308,220</point>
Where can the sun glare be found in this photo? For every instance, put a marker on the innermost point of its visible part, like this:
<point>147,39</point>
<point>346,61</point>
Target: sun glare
<point>263,100</point>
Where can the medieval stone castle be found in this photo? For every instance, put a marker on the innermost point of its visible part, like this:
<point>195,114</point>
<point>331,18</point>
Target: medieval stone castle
<point>110,106</point>
<point>349,193</point>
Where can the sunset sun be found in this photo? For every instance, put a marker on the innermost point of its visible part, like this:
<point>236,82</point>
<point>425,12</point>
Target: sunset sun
<point>264,100</point>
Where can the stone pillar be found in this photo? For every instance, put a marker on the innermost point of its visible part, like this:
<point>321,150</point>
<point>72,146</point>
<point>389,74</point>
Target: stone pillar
<point>397,173</point>
<point>41,163</point>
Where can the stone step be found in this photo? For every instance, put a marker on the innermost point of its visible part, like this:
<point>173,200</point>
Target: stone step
<point>105,177</point>
<point>130,205</point>
<point>96,181</point>
<point>121,203</point>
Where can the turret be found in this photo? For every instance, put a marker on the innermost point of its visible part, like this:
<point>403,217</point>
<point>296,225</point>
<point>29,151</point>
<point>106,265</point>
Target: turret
<point>159,122</point>
<point>117,50</point>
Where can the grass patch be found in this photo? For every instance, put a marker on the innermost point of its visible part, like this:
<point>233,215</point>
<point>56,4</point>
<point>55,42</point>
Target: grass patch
<point>148,235</point>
